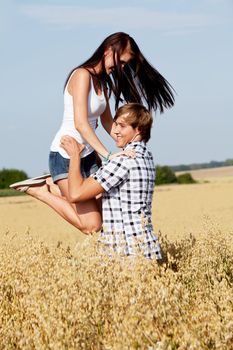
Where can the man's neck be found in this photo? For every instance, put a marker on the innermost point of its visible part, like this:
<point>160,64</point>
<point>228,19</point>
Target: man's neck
<point>132,142</point>
<point>136,138</point>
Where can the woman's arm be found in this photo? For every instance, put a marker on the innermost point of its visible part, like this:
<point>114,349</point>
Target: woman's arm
<point>107,120</point>
<point>78,87</point>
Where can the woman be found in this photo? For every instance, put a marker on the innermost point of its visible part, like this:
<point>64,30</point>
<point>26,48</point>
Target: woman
<point>117,67</point>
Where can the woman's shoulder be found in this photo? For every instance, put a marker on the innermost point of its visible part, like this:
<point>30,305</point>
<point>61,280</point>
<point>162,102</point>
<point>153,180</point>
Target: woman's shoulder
<point>80,73</point>
<point>79,77</point>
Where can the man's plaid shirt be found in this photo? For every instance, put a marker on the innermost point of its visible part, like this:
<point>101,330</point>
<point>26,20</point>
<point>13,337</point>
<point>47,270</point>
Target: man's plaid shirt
<point>129,185</point>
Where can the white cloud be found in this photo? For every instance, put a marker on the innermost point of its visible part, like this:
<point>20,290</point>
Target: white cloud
<point>131,17</point>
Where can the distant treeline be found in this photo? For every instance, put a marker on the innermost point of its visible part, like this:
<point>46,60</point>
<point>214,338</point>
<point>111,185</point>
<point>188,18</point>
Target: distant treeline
<point>195,166</point>
<point>9,176</point>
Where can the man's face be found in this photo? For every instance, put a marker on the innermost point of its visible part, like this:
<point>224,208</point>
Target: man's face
<point>123,131</point>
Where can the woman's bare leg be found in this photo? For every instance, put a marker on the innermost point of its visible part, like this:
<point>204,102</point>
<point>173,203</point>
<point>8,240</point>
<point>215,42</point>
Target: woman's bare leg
<point>85,216</point>
<point>53,188</point>
<point>87,210</point>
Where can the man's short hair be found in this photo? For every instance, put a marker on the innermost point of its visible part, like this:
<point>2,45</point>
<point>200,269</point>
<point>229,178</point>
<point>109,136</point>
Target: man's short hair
<point>138,117</point>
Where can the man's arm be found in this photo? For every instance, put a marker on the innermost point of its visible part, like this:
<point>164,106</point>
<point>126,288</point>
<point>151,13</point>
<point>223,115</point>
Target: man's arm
<point>80,189</point>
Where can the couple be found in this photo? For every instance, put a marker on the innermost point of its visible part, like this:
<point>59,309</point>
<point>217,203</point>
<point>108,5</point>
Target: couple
<point>116,67</point>
<point>126,184</point>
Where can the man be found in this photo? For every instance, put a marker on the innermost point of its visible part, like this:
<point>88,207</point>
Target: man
<point>126,185</point>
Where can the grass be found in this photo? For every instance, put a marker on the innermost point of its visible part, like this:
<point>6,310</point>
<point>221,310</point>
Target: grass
<point>10,193</point>
<point>55,299</point>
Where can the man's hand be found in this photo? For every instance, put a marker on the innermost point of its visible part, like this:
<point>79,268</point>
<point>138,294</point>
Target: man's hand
<point>71,146</point>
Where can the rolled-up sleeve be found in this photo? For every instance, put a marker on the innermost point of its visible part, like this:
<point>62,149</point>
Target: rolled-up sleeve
<point>112,174</point>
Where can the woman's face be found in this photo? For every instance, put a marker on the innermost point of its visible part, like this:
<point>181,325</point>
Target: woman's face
<point>125,57</point>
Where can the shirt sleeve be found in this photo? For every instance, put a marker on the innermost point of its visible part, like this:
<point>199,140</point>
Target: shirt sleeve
<point>112,174</point>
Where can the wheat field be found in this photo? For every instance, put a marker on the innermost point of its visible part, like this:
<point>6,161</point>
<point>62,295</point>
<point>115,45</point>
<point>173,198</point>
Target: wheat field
<point>58,291</point>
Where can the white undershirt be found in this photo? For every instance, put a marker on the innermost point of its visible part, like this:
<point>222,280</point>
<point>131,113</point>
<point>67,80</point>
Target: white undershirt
<point>96,106</point>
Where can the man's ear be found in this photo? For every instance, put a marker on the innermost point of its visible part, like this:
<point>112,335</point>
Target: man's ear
<point>138,131</point>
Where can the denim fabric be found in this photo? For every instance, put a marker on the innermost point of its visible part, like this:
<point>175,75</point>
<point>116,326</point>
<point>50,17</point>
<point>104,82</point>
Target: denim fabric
<point>59,166</point>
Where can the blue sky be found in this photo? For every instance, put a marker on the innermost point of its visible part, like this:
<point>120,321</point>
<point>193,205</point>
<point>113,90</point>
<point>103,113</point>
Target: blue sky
<point>189,41</point>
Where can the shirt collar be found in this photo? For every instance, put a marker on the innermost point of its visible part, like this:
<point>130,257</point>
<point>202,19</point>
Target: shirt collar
<point>134,144</point>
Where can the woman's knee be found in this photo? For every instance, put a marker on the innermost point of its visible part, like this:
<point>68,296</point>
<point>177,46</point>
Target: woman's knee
<point>92,227</point>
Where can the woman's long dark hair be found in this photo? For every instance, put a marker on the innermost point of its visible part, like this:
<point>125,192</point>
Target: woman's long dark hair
<point>137,82</point>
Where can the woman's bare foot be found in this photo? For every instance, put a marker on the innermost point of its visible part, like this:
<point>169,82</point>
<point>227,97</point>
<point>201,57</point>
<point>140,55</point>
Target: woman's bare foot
<point>52,187</point>
<point>38,192</point>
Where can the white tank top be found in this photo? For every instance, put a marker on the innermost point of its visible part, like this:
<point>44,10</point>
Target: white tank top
<point>96,106</point>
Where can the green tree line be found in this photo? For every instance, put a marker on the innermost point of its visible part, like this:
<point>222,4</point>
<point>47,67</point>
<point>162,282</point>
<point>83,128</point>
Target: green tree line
<point>164,175</point>
<point>196,166</point>
<point>9,176</point>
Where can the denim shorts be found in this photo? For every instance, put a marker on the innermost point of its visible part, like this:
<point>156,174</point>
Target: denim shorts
<point>59,166</point>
